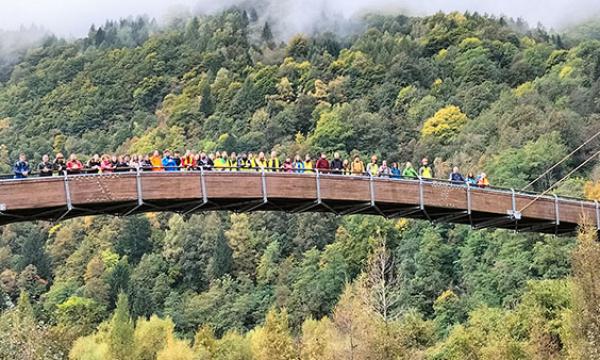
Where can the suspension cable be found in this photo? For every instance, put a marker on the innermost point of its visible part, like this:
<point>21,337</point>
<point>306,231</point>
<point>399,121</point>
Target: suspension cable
<point>561,180</point>
<point>561,161</point>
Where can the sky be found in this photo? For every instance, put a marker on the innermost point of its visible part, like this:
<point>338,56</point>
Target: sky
<point>72,18</point>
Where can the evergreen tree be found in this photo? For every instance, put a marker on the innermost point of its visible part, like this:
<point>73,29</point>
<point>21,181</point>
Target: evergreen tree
<point>266,35</point>
<point>120,333</point>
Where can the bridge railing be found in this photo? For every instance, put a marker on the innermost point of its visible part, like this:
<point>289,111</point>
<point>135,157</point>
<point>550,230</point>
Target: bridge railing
<point>140,170</point>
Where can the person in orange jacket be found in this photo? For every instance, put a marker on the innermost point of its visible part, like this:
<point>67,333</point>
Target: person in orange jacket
<point>156,161</point>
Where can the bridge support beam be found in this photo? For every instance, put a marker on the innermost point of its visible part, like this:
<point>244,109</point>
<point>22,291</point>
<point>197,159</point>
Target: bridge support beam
<point>204,201</point>
<point>422,199</point>
<point>319,201</point>
<point>140,194</point>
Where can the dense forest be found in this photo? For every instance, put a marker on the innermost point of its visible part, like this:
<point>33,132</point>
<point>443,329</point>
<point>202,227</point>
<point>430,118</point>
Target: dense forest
<point>483,93</point>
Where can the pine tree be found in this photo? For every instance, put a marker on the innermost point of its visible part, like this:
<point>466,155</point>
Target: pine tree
<point>267,34</point>
<point>120,334</point>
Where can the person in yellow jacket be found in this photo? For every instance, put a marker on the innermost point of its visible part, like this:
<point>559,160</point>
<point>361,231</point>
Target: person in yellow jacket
<point>425,171</point>
<point>373,168</point>
<point>274,163</point>
<point>219,162</point>
<point>358,167</point>
<point>260,162</point>
<point>308,165</point>
<point>232,164</point>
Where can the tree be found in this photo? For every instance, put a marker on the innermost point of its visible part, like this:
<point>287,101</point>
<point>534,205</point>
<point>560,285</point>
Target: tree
<point>266,35</point>
<point>133,239</point>
<point>120,333</point>
<point>445,124</point>
<point>176,350</point>
<point>585,319</point>
<point>151,336</point>
<point>273,339</point>
<point>317,341</point>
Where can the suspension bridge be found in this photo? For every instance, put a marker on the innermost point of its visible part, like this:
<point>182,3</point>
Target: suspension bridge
<point>121,194</point>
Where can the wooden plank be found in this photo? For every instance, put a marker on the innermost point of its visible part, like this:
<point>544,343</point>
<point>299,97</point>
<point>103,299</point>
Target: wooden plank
<point>233,186</point>
<point>396,192</point>
<point>87,190</point>
<point>291,186</point>
<point>171,186</point>
<point>32,193</point>
<point>345,188</point>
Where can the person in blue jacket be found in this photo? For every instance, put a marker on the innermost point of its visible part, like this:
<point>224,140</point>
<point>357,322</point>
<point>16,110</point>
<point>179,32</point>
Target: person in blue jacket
<point>456,177</point>
<point>168,163</point>
<point>21,167</point>
<point>395,171</point>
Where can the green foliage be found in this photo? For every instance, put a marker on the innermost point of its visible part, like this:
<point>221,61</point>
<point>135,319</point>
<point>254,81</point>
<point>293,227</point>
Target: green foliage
<point>481,92</point>
<point>120,331</point>
<point>273,339</point>
<point>516,167</point>
<point>444,124</point>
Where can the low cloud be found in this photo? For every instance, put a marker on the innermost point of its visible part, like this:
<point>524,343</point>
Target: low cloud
<point>73,17</point>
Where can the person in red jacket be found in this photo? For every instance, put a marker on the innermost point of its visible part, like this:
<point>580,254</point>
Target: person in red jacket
<point>322,164</point>
<point>74,166</point>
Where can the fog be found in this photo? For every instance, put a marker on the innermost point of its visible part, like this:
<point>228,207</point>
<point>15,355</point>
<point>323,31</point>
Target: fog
<point>72,18</point>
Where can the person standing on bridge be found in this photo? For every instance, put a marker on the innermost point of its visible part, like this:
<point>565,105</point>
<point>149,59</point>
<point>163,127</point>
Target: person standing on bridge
<point>167,162</point>
<point>93,164</point>
<point>21,167</point>
<point>425,171</point>
<point>287,166</point>
<point>156,161</point>
<point>59,164</point>
<point>45,167</point>
<point>358,167</point>
<point>274,163</point>
<point>308,164</point>
<point>471,179</point>
<point>260,163</point>
<point>298,164</point>
<point>106,166</point>
<point>177,160</point>
<point>337,165</point>
<point>219,162</point>
<point>233,162</point>
<point>456,177</point>
<point>122,164</point>
<point>74,166</point>
<point>347,170</point>
<point>372,167</point>
<point>188,161</point>
<point>243,162</point>
<point>409,171</point>
<point>483,181</point>
<point>322,164</point>
<point>384,170</point>
<point>395,171</point>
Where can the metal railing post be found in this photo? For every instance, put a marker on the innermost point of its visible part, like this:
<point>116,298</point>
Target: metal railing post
<point>597,214</point>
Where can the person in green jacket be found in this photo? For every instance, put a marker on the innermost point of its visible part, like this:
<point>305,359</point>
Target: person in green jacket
<point>409,171</point>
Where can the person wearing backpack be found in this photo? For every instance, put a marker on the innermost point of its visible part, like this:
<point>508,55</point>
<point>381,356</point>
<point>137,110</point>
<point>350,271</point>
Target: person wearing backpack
<point>357,167</point>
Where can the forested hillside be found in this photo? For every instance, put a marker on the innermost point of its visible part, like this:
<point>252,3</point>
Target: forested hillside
<point>483,93</point>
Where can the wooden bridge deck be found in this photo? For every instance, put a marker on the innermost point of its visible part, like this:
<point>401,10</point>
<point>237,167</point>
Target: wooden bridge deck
<point>58,198</point>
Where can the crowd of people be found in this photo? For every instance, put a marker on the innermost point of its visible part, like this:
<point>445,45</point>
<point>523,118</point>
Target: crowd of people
<point>222,161</point>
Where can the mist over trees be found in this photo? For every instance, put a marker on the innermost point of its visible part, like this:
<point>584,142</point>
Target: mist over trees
<point>483,93</point>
